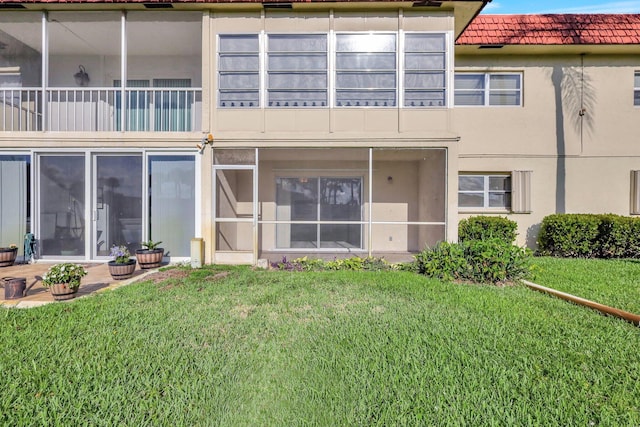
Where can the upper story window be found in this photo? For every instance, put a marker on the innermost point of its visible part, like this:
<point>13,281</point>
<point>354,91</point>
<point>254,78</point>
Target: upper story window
<point>365,70</point>
<point>239,71</point>
<point>477,191</point>
<point>636,88</point>
<point>488,89</point>
<point>345,70</point>
<point>297,70</point>
<point>425,64</point>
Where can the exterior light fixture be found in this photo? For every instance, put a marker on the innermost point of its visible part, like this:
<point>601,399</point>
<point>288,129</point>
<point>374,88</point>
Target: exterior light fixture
<point>81,77</point>
<point>207,140</point>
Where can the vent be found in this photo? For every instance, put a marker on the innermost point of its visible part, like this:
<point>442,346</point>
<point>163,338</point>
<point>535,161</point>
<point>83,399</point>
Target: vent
<point>491,46</point>
<point>158,5</point>
<point>277,5</point>
<point>11,6</point>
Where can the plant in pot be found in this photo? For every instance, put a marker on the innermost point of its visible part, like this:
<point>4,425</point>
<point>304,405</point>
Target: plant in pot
<point>63,280</point>
<point>122,266</point>
<point>150,256</point>
<point>8,255</point>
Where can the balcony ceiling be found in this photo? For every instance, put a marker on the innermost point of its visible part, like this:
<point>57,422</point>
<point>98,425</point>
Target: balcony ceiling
<point>103,38</point>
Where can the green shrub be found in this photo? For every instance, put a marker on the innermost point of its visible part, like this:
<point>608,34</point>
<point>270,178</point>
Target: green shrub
<point>487,227</point>
<point>614,236</point>
<point>480,261</point>
<point>589,236</point>
<point>569,235</point>
<point>444,261</point>
<point>316,264</point>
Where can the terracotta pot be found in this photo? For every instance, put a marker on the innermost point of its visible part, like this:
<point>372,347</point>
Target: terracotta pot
<point>149,258</point>
<point>62,291</point>
<point>8,256</point>
<point>122,271</point>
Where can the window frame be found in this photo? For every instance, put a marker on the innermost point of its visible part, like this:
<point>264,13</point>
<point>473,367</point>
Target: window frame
<point>636,88</point>
<point>318,222</point>
<point>402,54</point>
<point>268,72</point>
<point>259,72</point>
<point>400,89</point>
<point>487,91</point>
<point>486,192</point>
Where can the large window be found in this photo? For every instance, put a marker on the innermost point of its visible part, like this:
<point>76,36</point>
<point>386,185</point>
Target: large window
<point>488,89</point>
<point>484,191</point>
<point>311,204</point>
<point>297,70</point>
<point>348,70</point>
<point>425,62</point>
<point>239,71</point>
<point>365,70</point>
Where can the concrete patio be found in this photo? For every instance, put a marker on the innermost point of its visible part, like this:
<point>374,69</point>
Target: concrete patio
<point>97,280</point>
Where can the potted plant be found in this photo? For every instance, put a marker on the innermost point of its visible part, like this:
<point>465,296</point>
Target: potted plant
<point>63,280</point>
<point>150,256</point>
<point>8,255</point>
<point>122,266</point>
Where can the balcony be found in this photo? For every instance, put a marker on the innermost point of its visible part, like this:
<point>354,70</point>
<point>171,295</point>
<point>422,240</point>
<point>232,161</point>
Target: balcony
<point>100,110</point>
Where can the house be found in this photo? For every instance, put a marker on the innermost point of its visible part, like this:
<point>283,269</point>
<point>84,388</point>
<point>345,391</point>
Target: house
<point>272,129</point>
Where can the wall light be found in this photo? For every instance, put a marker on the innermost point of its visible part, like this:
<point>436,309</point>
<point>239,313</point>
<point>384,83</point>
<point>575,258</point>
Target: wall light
<point>206,140</point>
<point>81,77</point>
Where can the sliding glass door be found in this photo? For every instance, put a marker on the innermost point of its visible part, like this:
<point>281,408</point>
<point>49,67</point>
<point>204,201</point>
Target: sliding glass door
<point>117,206</point>
<point>14,200</point>
<point>61,202</point>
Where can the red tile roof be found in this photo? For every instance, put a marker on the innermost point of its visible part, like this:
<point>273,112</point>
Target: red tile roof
<point>565,29</point>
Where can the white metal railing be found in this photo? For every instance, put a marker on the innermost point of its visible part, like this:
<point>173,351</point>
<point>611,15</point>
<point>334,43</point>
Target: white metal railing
<point>20,109</point>
<point>100,109</point>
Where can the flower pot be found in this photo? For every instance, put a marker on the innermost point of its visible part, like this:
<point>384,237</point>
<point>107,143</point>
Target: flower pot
<point>122,271</point>
<point>62,291</point>
<point>149,258</point>
<point>8,256</point>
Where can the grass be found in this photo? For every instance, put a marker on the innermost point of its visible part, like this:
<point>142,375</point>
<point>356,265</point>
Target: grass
<point>611,282</point>
<point>329,348</point>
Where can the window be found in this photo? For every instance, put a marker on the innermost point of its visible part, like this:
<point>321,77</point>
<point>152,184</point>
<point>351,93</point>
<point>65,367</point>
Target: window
<point>488,89</point>
<point>636,88</point>
<point>365,70</point>
<point>239,71</point>
<point>424,70</point>
<point>346,70</point>
<point>484,191</point>
<point>302,203</point>
<point>297,70</point>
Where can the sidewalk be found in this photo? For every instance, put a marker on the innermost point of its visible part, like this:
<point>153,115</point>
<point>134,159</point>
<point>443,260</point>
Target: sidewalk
<point>97,280</point>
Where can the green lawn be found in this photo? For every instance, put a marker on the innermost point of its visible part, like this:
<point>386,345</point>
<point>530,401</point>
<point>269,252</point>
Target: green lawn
<point>258,348</point>
<point>612,282</point>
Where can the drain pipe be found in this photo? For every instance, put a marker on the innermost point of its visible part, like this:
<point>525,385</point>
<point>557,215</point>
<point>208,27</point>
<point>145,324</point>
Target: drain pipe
<point>621,314</point>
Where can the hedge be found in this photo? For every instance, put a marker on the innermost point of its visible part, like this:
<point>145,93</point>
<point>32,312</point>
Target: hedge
<point>487,227</point>
<point>589,236</point>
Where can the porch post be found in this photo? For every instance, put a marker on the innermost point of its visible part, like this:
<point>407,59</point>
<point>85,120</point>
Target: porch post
<point>123,69</point>
<point>370,219</point>
<point>45,70</point>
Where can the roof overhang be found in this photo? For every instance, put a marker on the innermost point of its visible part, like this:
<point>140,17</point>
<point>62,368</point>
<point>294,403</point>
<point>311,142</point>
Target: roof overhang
<point>573,49</point>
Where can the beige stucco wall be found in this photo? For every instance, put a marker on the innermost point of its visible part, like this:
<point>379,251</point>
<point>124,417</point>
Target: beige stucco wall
<point>579,163</point>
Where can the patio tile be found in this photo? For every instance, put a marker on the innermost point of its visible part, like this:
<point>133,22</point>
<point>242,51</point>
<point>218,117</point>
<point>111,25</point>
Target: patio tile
<point>97,280</point>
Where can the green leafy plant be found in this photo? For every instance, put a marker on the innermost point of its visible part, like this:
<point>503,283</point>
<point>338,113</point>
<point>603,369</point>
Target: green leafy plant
<point>480,261</point>
<point>487,227</point>
<point>64,273</point>
<point>150,245</point>
<point>120,254</point>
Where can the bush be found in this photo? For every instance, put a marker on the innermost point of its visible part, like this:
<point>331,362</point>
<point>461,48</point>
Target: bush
<point>481,261</point>
<point>589,236</point>
<point>569,235</point>
<point>487,227</point>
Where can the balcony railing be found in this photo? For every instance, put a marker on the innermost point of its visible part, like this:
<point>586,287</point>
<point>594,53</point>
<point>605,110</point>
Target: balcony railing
<point>100,110</point>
